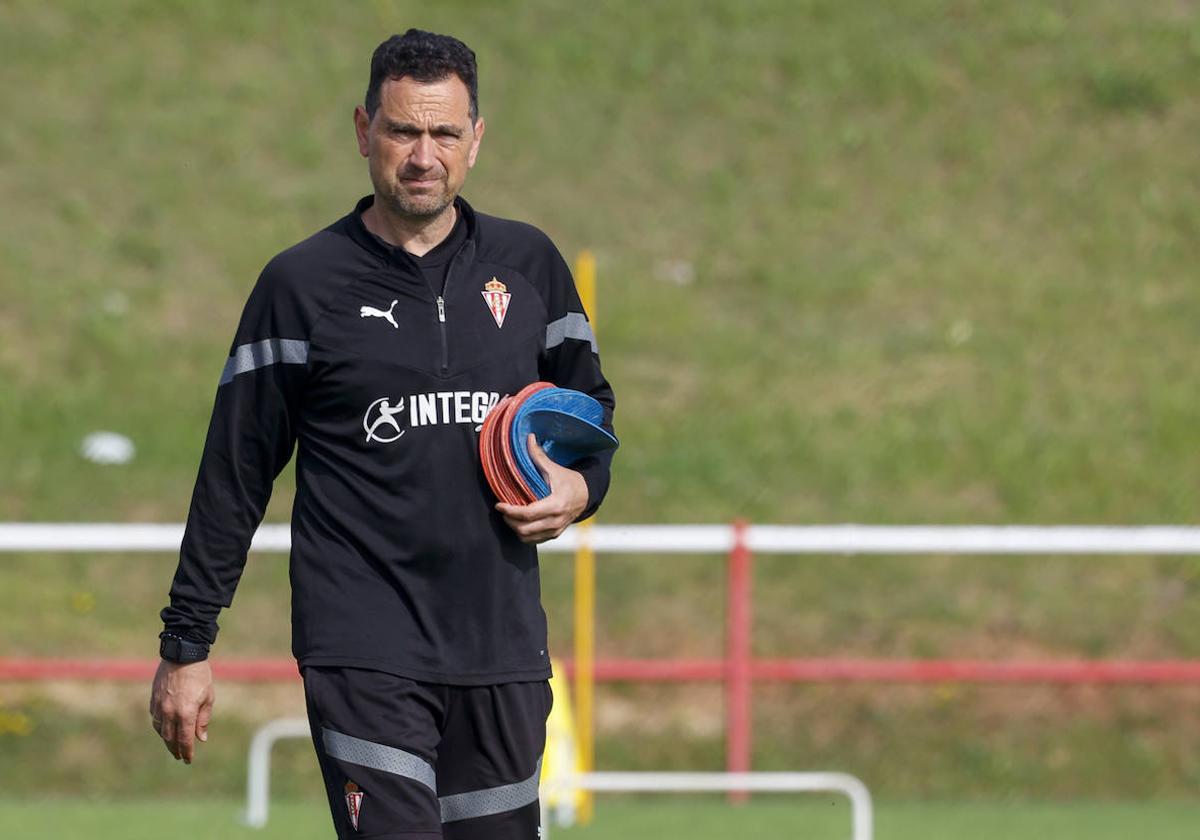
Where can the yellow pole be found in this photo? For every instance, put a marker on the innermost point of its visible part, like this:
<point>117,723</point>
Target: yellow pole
<point>585,585</point>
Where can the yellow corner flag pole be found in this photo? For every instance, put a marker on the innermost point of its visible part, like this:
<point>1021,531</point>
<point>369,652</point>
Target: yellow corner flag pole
<point>585,584</point>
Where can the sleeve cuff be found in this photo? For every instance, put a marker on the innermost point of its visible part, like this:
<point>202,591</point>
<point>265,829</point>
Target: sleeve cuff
<point>192,622</point>
<point>595,472</point>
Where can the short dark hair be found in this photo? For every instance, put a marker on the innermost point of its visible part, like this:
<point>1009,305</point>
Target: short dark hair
<point>426,57</point>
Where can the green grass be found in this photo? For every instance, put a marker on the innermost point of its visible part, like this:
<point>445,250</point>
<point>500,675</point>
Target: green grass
<point>919,262</point>
<point>943,281</point>
<point>651,819</point>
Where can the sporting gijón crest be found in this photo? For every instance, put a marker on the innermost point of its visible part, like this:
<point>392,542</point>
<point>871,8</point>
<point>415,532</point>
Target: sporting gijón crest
<point>496,296</point>
<point>354,798</point>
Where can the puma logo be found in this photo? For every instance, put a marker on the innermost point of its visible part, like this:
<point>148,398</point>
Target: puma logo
<point>372,312</point>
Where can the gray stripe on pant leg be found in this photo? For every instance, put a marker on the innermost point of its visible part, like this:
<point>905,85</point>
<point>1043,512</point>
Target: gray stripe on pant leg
<point>269,351</point>
<point>378,757</point>
<point>496,800</point>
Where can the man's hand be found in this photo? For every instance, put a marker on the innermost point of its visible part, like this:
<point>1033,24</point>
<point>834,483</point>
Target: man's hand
<point>181,702</point>
<point>546,518</point>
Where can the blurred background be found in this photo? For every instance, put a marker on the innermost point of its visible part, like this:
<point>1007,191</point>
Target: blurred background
<point>926,262</point>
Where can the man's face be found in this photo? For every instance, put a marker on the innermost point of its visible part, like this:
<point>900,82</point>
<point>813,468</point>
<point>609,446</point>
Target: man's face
<point>419,144</point>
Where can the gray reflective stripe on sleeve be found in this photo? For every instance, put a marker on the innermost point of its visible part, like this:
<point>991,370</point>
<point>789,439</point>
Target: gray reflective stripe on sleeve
<point>571,325</point>
<point>378,757</point>
<point>497,800</point>
<point>269,351</point>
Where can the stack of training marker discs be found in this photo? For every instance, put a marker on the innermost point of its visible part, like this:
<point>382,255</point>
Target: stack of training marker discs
<point>566,425</point>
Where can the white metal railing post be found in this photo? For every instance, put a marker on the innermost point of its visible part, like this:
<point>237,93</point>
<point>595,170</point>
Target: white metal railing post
<point>687,539</point>
<point>258,768</point>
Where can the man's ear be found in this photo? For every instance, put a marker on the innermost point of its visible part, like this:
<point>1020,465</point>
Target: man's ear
<point>362,127</point>
<point>475,142</point>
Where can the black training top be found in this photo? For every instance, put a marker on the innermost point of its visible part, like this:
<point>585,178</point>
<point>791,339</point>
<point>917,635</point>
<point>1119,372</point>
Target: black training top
<point>399,561</point>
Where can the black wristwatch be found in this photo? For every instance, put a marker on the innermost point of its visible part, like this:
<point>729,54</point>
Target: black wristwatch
<point>176,649</point>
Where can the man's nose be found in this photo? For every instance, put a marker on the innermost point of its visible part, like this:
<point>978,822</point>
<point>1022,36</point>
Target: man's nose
<point>422,156</point>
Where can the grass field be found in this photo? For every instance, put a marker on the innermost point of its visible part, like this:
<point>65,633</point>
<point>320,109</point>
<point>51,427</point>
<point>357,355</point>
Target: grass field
<point>646,819</point>
<point>932,261</point>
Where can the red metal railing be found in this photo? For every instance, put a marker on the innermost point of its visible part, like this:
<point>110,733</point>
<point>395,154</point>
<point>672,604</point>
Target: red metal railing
<point>912,671</point>
<point>848,670</point>
<point>738,670</point>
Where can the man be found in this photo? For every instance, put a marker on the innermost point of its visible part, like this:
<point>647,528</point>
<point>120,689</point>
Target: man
<point>376,347</point>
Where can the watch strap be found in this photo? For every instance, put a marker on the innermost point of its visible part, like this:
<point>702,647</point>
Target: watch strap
<point>177,649</point>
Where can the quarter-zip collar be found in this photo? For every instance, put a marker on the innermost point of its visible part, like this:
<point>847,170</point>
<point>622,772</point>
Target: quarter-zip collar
<point>358,232</point>
<point>410,268</point>
<point>442,253</point>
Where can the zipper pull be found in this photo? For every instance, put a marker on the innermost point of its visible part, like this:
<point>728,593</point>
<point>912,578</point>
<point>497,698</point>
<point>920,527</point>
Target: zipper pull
<point>441,309</point>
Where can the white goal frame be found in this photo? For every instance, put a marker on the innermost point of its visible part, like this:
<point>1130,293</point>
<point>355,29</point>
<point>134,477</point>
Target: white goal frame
<point>862,816</point>
<point>862,811</point>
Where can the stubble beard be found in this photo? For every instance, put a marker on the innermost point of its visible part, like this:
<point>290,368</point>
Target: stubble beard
<point>417,207</point>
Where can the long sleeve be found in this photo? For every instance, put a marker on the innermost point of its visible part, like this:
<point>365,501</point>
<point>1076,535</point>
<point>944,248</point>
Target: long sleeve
<point>250,440</point>
<point>571,359</point>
